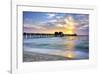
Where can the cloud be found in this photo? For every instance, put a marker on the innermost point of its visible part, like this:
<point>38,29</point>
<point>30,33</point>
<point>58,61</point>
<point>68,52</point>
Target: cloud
<point>28,21</point>
<point>34,26</point>
<point>53,20</point>
<point>82,19</point>
<point>69,20</point>
<point>51,15</point>
<point>58,22</point>
<point>59,25</point>
<point>83,27</point>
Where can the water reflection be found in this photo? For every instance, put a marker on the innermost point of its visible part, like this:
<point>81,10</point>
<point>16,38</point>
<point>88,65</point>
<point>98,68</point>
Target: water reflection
<point>70,47</point>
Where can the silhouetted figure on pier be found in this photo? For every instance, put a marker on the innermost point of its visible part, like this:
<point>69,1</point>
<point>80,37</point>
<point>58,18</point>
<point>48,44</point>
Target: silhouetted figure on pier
<point>61,34</point>
<point>58,34</point>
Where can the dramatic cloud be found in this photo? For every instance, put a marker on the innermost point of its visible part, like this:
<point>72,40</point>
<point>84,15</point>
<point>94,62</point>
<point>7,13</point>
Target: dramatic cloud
<point>51,22</point>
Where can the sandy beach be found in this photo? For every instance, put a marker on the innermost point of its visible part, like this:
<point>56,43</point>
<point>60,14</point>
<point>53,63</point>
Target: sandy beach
<point>33,57</point>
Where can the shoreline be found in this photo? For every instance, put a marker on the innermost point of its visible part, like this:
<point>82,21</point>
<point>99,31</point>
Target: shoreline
<point>34,56</point>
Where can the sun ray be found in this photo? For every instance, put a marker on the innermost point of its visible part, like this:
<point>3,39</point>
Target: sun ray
<point>70,29</point>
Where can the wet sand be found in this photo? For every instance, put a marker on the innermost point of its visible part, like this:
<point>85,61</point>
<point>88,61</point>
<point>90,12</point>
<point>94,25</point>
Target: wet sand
<point>34,57</point>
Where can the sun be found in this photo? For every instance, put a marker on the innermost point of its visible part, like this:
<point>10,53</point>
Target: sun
<point>70,29</point>
<point>70,32</point>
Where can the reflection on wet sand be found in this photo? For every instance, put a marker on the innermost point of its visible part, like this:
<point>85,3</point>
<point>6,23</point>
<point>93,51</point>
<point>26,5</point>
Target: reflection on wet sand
<point>69,51</point>
<point>70,47</point>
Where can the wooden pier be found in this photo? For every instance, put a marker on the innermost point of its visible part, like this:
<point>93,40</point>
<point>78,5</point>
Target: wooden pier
<point>44,35</point>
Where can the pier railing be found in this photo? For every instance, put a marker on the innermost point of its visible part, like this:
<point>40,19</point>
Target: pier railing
<point>37,35</point>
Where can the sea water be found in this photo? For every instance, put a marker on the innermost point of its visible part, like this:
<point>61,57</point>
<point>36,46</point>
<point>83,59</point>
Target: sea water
<point>75,47</point>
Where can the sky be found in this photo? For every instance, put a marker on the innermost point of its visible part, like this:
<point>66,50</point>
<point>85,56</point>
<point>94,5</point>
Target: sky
<point>50,22</point>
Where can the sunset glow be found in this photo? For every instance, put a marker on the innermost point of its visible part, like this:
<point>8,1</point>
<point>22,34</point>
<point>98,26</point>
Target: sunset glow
<point>70,55</point>
<point>70,29</point>
<point>50,36</point>
<point>45,22</point>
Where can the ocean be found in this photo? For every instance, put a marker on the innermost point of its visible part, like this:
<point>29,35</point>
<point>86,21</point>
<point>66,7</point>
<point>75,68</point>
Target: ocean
<point>71,47</point>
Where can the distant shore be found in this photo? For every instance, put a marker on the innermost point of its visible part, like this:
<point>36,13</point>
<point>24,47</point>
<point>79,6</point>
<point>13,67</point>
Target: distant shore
<point>33,57</point>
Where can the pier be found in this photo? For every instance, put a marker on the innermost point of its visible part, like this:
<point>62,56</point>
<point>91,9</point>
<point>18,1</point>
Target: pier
<point>37,35</point>
<point>44,35</point>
